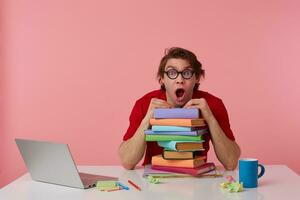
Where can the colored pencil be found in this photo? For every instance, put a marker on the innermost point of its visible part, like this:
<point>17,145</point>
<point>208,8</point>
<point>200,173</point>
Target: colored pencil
<point>122,186</point>
<point>134,185</point>
<point>113,190</point>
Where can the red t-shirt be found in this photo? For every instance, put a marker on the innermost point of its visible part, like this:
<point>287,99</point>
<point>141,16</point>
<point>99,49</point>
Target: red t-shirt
<point>141,107</point>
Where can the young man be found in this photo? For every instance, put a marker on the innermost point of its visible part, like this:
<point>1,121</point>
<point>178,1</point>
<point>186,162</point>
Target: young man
<point>179,75</point>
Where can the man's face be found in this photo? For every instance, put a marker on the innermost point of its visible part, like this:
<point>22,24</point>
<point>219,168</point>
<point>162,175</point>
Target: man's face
<point>179,90</point>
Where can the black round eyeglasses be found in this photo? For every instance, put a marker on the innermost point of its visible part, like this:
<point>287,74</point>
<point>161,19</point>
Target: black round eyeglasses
<point>173,73</point>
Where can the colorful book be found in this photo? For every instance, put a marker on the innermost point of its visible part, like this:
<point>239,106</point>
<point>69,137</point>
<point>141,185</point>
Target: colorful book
<point>194,133</point>
<point>175,113</point>
<point>179,155</point>
<point>182,145</point>
<point>173,137</point>
<point>192,163</point>
<point>207,167</point>
<point>178,128</point>
<point>178,122</point>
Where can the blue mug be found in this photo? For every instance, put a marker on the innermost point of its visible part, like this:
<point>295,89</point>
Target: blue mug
<point>248,172</point>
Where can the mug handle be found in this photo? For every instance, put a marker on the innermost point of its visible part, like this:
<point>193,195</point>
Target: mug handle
<point>262,170</point>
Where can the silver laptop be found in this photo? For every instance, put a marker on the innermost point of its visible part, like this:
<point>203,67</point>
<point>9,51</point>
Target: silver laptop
<point>53,163</point>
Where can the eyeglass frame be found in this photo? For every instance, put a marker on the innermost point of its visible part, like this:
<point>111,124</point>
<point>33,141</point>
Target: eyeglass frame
<point>180,72</point>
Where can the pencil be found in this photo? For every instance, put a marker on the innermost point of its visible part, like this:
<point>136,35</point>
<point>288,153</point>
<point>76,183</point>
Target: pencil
<point>113,190</point>
<point>134,185</point>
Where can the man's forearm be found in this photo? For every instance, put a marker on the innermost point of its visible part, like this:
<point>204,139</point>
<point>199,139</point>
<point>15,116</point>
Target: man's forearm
<point>132,150</point>
<point>227,151</point>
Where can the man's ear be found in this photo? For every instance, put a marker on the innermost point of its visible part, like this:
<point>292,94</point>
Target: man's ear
<point>161,81</point>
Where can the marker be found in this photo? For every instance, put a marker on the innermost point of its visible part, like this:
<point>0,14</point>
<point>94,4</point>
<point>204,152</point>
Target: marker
<point>134,185</point>
<point>122,186</point>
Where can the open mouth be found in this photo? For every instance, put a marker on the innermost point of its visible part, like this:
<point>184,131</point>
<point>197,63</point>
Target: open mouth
<point>179,93</point>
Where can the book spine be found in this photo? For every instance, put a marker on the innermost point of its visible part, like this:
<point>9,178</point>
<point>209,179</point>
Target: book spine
<point>172,145</point>
<point>173,137</point>
<point>149,132</point>
<point>192,163</point>
<point>175,169</point>
<point>176,113</point>
<point>171,128</point>
<point>187,133</point>
<point>193,155</point>
<point>207,167</point>
<point>178,122</point>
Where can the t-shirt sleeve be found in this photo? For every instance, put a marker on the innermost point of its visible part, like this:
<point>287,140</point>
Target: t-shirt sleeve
<point>221,116</point>
<point>135,120</point>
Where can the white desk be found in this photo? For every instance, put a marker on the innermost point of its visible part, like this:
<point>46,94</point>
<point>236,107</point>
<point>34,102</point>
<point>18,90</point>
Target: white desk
<point>279,182</point>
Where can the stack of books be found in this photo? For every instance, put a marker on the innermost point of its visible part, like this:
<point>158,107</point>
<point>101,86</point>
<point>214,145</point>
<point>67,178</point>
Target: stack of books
<point>180,132</point>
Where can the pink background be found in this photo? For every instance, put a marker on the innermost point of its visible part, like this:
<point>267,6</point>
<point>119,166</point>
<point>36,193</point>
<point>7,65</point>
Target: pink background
<point>72,70</point>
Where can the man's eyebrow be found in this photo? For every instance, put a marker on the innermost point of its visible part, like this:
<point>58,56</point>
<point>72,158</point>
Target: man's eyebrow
<point>188,67</point>
<point>173,67</point>
<point>170,66</point>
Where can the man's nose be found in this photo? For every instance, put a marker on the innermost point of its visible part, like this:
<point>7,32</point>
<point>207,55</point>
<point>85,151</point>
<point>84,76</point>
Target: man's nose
<point>179,79</point>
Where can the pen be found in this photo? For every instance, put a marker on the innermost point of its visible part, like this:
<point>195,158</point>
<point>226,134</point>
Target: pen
<point>122,186</point>
<point>134,185</point>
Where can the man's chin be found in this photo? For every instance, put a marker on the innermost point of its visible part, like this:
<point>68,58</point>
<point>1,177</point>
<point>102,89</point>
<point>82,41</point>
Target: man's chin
<point>179,104</point>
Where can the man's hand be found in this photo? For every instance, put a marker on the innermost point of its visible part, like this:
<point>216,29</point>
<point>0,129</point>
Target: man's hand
<point>155,103</point>
<point>227,151</point>
<point>202,105</point>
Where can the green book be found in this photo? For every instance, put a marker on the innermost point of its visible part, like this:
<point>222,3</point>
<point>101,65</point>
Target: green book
<point>173,138</point>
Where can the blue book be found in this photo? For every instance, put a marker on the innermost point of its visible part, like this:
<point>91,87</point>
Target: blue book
<point>176,113</point>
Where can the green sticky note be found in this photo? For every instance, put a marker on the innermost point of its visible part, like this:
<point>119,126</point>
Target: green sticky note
<point>106,185</point>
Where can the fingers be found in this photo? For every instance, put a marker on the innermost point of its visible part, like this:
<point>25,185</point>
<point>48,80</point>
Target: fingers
<point>159,103</point>
<point>196,103</point>
<point>191,103</point>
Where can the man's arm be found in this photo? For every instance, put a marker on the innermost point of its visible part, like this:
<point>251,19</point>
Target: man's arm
<point>227,151</point>
<point>132,150</point>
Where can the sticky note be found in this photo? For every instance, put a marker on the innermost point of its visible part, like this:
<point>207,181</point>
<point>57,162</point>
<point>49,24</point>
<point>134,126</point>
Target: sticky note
<point>107,185</point>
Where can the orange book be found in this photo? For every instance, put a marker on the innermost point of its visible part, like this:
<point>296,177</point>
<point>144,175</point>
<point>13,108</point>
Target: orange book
<point>192,163</point>
<point>178,122</point>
